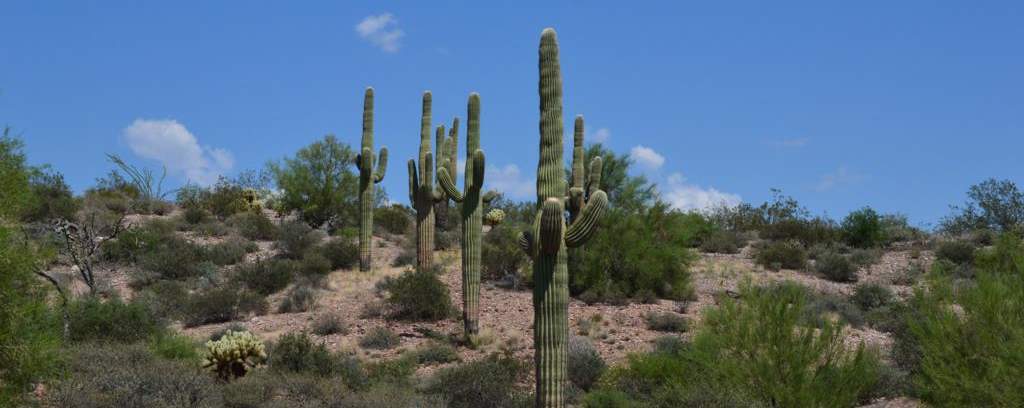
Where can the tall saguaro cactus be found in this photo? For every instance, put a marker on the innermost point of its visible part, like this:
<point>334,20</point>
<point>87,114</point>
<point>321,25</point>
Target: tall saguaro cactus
<point>584,184</point>
<point>422,194</point>
<point>367,178</point>
<point>550,237</point>
<point>472,211</point>
<point>447,154</point>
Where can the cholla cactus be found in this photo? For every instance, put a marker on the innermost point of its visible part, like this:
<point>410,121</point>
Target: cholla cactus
<point>551,235</point>
<point>234,354</point>
<point>494,217</point>
<point>252,199</point>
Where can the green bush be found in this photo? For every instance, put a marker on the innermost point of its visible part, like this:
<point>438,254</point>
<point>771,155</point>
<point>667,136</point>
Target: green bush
<point>267,277</point>
<point>173,346</point>
<point>52,198</point>
<point>500,254</point>
<point>225,198</point>
<point>996,205</point>
<point>194,215</point>
<point>301,298</point>
<point>314,266</point>
<point>584,363</point>
<point>393,219</point>
<point>863,229</point>
<point>129,376</point>
<point>436,353</point>
<point>94,320</point>
<point>343,253</point>
<point>632,253</point>
<point>872,296</point>
<point>253,225</point>
<point>133,243</point>
<point>489,382</point>
<point>863,258</point>
<point>319,182</point>
<point>1006,255</point>
<point>781,255</point>
<point>836,267</point>
<point>379,338</point>
<point>723,242</point>
<point>296,352</point>
<point>666,322</point>
<point>229,252</point>
<point>807,231</point>
<point>295,238</point>
<point>220,304</point>
<point>330,323</point>
<point>419,296</point>
<point>173,258</point>
<point>955,251</point>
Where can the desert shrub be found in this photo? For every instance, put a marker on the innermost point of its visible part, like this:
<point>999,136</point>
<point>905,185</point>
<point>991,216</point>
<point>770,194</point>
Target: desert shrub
<point>131,244</point>
<point>95,320</point>
<point>781,255</point>
<point>997,205</point>
<point>314,266</point>
<point>229,252</point>
<point>225,198</point>
<point>319,182</point>
<point>234,355</point>
<point>584,363</point>
<point>253,225</point>
<point>220,304</point>
<point>194,215</point>
<point>419,295</point>
<point>294,238</point>
<point>436,353</point>
<point>162,299</point>
<point>174,346</point>
<point>666,322</point>
<point>267,276</point>
<point>897,228</point>
<point>131,377</point>
<point>296,352</point>
<point>836,267</point>
<point>871,296</point>
<point>863,229</point>
<point>489,382</point>
<point>301,298</point>
<point>1006,255</point>
<point>970,356</point>
<point>379,338</point>
<point>330,323</point>
<point>343,253</point>
<point>500,254</point>
<point>669,344</point>
<point>633,252</point>
<point>52,198</point>
<point>29,330</point>
<point>372,309</point>
<point>807,231</point>
<point>173,258</point>
<point>862,258</point>
<point>723,242</point>
<point>217,334</point>
<point>393,219</point>
<point>956,251</point>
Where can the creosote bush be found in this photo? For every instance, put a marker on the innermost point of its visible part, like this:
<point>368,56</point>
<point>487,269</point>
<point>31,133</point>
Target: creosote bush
<point>294,238</point>
<point>585,363</point>
<point>782,255</point>
<point>836,267</point>
<point>394,219</point>
<point>253,225</point>
<point>863,229</point>
<point>419,295</point>
<point>267,276</point>
<point>342,252</point>
<point>379,338</point>
<point>666,322</point>
<point>956,251</point>
<point>488,382</point>
<point>330,323</point>
<point>92,319</point>
<point>222,303</point>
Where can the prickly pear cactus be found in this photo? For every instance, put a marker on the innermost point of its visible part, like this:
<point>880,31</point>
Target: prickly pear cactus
<point>367,178</point>
<point>234,354</point>
<point>472,212</point>
<point>422,193</point>
<point>552,236</point>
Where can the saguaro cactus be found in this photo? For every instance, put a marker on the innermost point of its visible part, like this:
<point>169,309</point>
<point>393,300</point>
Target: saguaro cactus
<point>447,156</point>
<point>472,211</point>
<point>422,194</point>
<point>584,184</point>
<point>367,178</point>
<point>550,237</point>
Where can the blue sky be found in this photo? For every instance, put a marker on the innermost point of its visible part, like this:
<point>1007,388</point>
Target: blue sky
<point>897,105</point>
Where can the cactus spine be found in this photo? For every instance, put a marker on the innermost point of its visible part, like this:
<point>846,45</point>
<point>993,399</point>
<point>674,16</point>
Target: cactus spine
<point>367,178</point>
<point>584,185</point>
<point>550,237</point>
<point>422,194</point>
<point>472,211</point>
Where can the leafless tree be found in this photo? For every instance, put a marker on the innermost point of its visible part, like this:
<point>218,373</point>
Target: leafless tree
<point>83,241</point>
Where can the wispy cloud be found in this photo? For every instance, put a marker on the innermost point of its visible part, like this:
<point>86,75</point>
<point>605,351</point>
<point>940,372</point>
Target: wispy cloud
<point>691,197</point>
<point>842,176</point>
<point>510,181</point>
<point>171,144</point>
<point>647,157</point>
<point>382,31</point>
<point>600,135</point>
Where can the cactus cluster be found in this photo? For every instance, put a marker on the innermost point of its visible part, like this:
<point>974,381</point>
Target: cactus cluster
<point>422,193</point>
<point>472,211</point>
<point>494,217</point>
<point>234,354</point>
<point>367,178</point>
<point>550,237</point>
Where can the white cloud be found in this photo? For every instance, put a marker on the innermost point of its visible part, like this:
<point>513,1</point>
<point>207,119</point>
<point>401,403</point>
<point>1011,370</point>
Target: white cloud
<point>382,31</point>
<point>509,181</point>
<point>687,197</point>
<point>600,135</point>
<point>171,144</point>
<point>647,157</point>
<point>842,176</point>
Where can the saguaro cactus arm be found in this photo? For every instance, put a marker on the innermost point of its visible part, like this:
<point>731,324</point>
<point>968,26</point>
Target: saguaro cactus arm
<point>552,225</point>
<point>490,196</point>
<point>414,184</point>
<point>594,177</point>
<point>382,165</point>
<point>586,224</point>
<point>448,185</point>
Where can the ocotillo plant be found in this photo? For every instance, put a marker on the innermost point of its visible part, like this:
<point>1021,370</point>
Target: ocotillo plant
<point>582,188</point>
<point>472,212</point>
<point>422,194</point>
<point>550,237</point>
<point>446,157</point>
<point>367,178</point>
